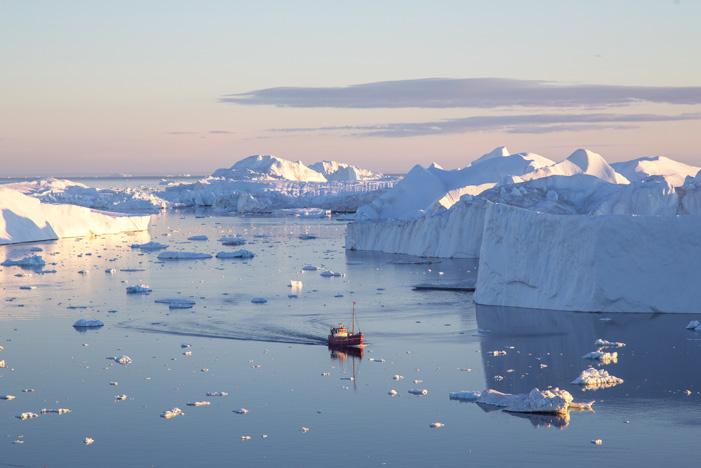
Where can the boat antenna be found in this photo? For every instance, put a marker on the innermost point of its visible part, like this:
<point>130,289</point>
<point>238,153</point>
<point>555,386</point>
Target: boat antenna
<point>353,325</point>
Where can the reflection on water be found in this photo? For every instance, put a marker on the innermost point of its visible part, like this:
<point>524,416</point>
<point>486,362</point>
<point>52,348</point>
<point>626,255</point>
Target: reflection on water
<point>545,348</point>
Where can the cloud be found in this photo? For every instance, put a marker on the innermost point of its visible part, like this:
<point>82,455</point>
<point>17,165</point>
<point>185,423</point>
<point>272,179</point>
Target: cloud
<point>466,92</point>
<point>531,123</point>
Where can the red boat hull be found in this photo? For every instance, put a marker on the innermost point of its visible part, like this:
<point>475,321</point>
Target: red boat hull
<point>350,341</point>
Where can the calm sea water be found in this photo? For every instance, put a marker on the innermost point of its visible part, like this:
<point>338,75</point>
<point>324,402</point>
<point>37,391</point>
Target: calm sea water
<point>272,360</point>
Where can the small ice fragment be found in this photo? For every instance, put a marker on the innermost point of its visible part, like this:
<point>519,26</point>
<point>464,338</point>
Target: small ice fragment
<point>7,397</point>
<point>233,240</point>
<point>123,359</point>
<point>602,356</point>
<point>418,381</point>
<point>687,392</point>
<point>199,403</point>
<point>139,289</point>
<point>88,323</point>
<point>380,360</point>
<point>295,284</point>
<point>27,288</point>
<point>597,442</point>
<point>330,274</point>
<point>120,397</point>
<point>187,353</point>
<point>397,377</point>
<point>259,300</point>
<point>2,364</point>
<point>307,236</point>
<point>241,411</point>
<point>464,396</point>
<point>59,411</point>
<point>27,415</point>
<point>114,384</point>
<point>110,271</point>
<point>601,343</point>
<point>177,303</point>
<point>246,437</point>
<point>597,378</point>
<point>240,254</point>
<point>218,394</point>
<point>497,353</point>
<point>392,392</point>
<point>304,429</point>
<point>149,246</point>
<point>325,374</point>
<point>309,268</point>
<point>200,237</point>
<point>172,413</point>
<point>88,441</point>
<point>437,425</point>
<point>419,391</point>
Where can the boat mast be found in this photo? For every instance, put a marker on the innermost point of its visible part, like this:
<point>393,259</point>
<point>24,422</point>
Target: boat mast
<point>353,324</point>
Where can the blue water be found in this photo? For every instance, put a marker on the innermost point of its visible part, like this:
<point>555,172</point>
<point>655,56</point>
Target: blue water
<point>271,357</point>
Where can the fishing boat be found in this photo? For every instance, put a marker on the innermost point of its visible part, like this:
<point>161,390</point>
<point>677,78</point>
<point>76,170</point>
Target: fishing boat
<point>341,337</point>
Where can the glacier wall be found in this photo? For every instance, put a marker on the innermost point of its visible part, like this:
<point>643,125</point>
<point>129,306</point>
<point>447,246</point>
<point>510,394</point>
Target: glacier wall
<point>607,263</point>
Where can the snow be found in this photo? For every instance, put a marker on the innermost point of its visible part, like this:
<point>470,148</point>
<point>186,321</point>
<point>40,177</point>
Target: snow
<point>267,167</point>
<point>581,161</point>
<point>88,323</point>
<point>337,171</point>
<point>128,200</point>
<point>608,263</point>
<point>177,255</point>
<point>27,219</point>
<point>422,188</point>
<point>674,172</point>
<point>242,254</point>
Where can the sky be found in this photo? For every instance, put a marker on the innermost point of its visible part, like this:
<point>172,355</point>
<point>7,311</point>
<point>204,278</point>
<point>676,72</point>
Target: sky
<point>92,87</point>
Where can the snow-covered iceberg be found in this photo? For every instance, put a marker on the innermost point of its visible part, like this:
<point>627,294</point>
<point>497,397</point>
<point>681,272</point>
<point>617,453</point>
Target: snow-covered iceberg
<point>266,167</point>
<point>674,172</point>
<point>27,219</point>
<point>342,172</point>
<point>127,200</point>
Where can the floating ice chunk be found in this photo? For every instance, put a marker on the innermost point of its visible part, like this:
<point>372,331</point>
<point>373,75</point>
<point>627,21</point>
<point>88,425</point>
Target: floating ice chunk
<point>259,300</point>
<point>295,284</point>
<point>123,359</point>
<point>597,442</point>
<point>177,303</point>
<point>187,353</point>
<point>241,411</point>
<point>310,268</point>
<point>242,254</point>
<point>437,425</point>
<point>397,377</point>
<point>33,261</point>
<point>88,323</point>
<point>7,397</point>
<point>199,403</point>
<point>27,288</point>
<point>2,364</point>
<point>304,429</point>
<point>218,394</point>
<point>110,271</point>
<point>150,246</point>
<point>694,325</point>
<point>120,397</point>
<point>497,353</point>
<point>419,391</point>
<point>172,413</point>
<point>602,356</point>
<point>27,415</point>
<point>233,240</point>
<point>307,236</point>
<point>139,289</point>
<point>554,401</point>
<point>177,255</point>
<point>601,343</point>
<point>392,392</point>
<point>597,378</point>
<point>330,274</point>
<point>200,237</point>
<point>378,360</point>
<point>246,437</point>
<point>59,411</point>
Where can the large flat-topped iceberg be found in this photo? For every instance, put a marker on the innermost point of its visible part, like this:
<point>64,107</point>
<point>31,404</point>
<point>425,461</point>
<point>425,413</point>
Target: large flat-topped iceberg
<point>608,263</point>
<point>27,219</point>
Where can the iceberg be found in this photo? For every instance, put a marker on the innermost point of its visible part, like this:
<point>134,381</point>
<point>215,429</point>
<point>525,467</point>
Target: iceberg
<point>337,171</point>
<point>88,323</point>
<point>139,289</point>
<point>674,172</point>
<point>240,254</point>
<point>597,378</point>
<point>267,167</point>
<point>27,219</point>
<point>554,401</point>
<point>32,261</point>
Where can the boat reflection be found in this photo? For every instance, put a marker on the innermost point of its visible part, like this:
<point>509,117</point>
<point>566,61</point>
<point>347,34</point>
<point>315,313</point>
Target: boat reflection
<point>342,354</point>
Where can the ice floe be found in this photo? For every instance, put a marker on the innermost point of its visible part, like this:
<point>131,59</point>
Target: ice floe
<point>597,378</point>
<point>88,323</point>
<point>536,401</point>
<point>139,289</point>
<point>172,413</point>
<point>239,254</point>
<point>150,246</point>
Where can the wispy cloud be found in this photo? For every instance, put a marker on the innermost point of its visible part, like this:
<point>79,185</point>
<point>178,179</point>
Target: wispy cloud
<point>466,92</point>
<point>534,123</point>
